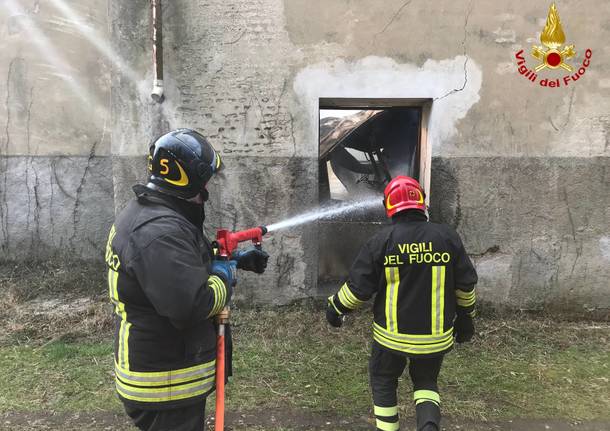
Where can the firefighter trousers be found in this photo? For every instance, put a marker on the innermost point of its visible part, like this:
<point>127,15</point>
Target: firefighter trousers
<point>385,368</point>
<point>189,418</point>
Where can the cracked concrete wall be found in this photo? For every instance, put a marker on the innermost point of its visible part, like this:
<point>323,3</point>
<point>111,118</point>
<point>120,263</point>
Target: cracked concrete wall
<point>520,170</point>
<point>536,230</point>
<point>226,74</point>
<point>56,194</point>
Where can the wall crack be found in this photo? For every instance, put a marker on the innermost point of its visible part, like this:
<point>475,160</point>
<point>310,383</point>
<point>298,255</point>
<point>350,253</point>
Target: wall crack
<point>3,197</point>
<point>233,42</point>
<point>28,163</point>
<point>569,114</point>
<point>457,90</point>
<point>394,17</point>
<point>79,189</point>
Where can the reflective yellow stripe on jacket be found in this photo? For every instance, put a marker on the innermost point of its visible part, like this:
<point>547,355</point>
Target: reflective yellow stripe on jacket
<point>417,344</point>
<point>119,309</point>
<point>465,299</point>
<point>347,298</point>
<point>438,299</point>
<point>162,386</point>
<point>220,294</point>
<point>392,276</point>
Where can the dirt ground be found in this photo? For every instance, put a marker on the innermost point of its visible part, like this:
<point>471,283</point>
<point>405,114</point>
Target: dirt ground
<point>276,421</point>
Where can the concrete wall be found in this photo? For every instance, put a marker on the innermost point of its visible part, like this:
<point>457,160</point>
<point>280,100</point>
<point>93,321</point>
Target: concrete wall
<point>55,170</point>
<point>520,170</point>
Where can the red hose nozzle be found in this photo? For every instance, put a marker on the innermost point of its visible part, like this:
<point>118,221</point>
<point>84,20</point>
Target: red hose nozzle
<point>228,241</point>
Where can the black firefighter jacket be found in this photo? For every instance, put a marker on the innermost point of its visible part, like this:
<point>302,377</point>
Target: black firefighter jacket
<point>421,275</point>
<point>164,299</point>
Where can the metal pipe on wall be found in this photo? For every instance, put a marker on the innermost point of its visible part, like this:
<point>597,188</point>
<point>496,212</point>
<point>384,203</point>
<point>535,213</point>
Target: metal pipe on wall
<point>157,38</point>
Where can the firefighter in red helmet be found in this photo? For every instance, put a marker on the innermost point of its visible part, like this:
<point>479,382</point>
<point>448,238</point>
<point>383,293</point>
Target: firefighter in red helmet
<point>424,284</point>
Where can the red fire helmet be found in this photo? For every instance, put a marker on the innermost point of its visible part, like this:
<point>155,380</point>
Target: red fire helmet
<point>403,193</point>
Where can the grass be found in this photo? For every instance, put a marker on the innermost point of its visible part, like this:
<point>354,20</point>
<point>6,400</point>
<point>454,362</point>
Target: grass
<point>289,359</point>
<point>44,301</point>
<point>60,376</point>
<point>522,368</point>
<point>56,358</point>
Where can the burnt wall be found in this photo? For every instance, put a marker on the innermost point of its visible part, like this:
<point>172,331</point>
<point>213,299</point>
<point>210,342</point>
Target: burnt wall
<point>519,169</point>
<point>509,158</point>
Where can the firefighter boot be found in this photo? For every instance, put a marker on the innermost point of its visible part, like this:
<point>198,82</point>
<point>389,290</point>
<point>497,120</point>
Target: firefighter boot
<point>427,410</point>
<point>428,416</point>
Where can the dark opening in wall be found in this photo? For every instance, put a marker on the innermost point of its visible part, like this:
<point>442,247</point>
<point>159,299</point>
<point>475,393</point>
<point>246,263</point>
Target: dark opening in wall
<point>360,152</point>
<point>363,143</point>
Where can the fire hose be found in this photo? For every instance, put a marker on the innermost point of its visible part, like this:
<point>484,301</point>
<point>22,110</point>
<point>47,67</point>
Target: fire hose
<point>227,243</point>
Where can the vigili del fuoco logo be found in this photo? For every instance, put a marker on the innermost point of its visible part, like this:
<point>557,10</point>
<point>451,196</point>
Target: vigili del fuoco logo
<point>553,55</point>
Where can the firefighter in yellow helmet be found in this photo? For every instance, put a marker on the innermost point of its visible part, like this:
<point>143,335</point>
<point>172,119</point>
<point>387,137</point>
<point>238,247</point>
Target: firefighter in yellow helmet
<point>424,285</point>
<point>166,287</point>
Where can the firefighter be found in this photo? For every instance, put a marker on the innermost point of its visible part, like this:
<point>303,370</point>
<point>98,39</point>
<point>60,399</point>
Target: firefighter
<point>167,287</point>
<point>424,282</point>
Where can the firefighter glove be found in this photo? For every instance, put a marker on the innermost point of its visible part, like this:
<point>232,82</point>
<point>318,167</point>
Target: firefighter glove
<point>226,270</point>
<point>333,316</point>
<point>251,259</point>
<point>464,328</point>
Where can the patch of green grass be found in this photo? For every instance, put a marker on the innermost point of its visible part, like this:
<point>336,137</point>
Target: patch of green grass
<point>521,368</point>
<point>292,359</point>
<point>58,376</point>
<point>530,368</point>
<point>289,359</point>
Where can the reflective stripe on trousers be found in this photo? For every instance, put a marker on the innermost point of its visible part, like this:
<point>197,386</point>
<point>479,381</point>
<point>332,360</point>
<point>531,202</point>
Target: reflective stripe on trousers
<point>165,385</point>
<point>386,418</point>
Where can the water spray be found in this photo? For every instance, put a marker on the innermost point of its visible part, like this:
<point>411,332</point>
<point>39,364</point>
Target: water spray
<point>96,39</point>
<point>227,242</point>
<point>320,213</point>
<point>48,50</point>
